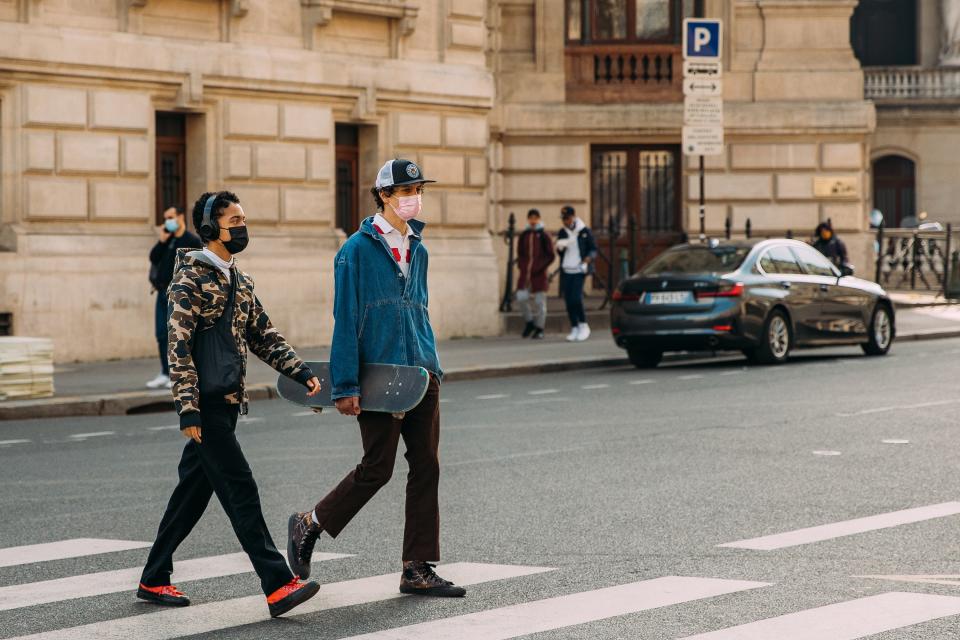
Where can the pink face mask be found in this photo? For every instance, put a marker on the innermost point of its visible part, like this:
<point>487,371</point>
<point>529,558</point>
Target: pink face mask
<point>408,207</point>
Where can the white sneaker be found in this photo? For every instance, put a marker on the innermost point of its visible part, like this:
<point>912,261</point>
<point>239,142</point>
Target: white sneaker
<point>169,384</point>
<point>573,336</point>
<point>583,332</point>
<point>158,382</point>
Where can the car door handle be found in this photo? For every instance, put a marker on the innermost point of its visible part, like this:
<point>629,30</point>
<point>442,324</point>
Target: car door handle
<point>785,285</point>
<point>824,287</point>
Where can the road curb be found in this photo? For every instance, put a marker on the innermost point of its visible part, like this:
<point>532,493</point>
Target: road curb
<point>148,401</point>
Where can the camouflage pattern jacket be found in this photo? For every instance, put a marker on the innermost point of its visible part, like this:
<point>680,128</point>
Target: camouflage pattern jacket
<point>197,297</point>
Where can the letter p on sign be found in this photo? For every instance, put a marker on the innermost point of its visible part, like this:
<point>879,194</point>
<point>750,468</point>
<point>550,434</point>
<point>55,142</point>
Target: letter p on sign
<point>701,39</point>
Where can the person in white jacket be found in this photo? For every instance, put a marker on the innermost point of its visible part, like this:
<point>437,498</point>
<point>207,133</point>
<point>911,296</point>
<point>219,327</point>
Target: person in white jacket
<point>577,250</point>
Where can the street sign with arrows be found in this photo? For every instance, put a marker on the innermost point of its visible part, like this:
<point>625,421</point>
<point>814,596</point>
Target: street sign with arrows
<point>702,87</point>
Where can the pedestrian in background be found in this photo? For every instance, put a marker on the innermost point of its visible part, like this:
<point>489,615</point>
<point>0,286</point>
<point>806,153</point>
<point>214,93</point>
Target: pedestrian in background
<point>827,243</point>
<point>577,250</point>
<point>173,235</point>
<point>534,256</point>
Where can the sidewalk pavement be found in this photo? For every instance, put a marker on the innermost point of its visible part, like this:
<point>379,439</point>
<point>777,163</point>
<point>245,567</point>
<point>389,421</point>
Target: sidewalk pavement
<point>117,387</point>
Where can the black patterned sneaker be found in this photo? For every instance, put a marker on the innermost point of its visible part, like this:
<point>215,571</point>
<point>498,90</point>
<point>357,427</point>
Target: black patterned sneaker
<point>302,534</point>
<point>527,330</point>
<point>420,579</point>
<point>537,334</point>
<point>166,595</point>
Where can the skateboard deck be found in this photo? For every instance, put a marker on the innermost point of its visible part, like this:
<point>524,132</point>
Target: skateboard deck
<point>385,388</point>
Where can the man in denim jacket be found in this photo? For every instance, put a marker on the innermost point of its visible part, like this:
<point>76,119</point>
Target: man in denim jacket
<point>380,316</point>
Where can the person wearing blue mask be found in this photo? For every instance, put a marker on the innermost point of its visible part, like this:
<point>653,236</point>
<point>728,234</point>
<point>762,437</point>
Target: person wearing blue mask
<point>173,235</point>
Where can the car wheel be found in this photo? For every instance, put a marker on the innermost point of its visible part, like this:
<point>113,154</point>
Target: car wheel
<point>880,336</point>
<point>776,340</point>
<point>644,358</point>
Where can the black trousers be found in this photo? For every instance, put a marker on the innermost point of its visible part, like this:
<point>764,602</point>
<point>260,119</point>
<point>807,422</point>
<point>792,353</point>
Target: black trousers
<point>160,329</point>
<point>573,295</point>
<point>381,434</point>
<point>216,465</point>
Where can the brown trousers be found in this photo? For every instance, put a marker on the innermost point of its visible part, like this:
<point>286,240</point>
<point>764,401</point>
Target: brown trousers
<point>381,434</point>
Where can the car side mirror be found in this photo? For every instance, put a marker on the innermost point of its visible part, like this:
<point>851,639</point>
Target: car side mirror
<point>846,270</point>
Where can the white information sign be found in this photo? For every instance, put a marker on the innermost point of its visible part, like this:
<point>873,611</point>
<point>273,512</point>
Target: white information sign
<point>702,141</point>
<point>702,87</point>
<point>703,112</point>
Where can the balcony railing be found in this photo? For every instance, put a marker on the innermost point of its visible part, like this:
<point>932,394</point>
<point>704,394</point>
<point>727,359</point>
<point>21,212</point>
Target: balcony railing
<point>624,73</point>
<point>911,84</point>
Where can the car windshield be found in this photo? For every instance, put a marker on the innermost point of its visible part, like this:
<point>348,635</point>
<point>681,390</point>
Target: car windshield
<point>697,260</point>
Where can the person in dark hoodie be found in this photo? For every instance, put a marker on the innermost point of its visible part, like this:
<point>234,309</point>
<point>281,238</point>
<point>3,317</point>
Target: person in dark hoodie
<point>173,235</point>
<point>827,243</point>
<point>214,317</point>
<point>534,256</point>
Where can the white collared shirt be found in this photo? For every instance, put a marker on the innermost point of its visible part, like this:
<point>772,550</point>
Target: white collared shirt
<point>399,243</point>
<point>222,264</point>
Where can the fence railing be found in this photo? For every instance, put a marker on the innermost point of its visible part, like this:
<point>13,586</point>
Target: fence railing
<point>918,260</point>
<point>624,73</point>
<point>911,83</point>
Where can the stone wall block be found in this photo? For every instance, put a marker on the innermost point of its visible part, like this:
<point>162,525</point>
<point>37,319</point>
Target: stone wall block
<point>792,186</point>
<point>709,162</point>
<point>55,106</point>
<point>774,156</point>
<point>847,155</point>
<point>715,216</point>
<point>466,208</point>
<point>260,203</point>
<point>123,200</point>
<point>281,161</point>
<point>417,129</point>
<point>468,35</point>
<point>56,198</point>
<point>40,151</point>
<point>742,186</point>
<point>477,172</point>
<point>307,122</point>
<point>470,8</point>
<point>801,218</point>
<point>445,169</point>
<point>121,110</point>
<point>466,132</point>
<point>136,155</point>
<point>321,163</point>
<point>89,153</point>
<point>303,204</point>
<point>239,161</point>
<point>252,119</point>
<point>566,157</point>
<point>845,217</point>
<point>534,187</point>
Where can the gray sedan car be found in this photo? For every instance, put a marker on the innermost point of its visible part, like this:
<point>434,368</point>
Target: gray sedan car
<point>762,297</point>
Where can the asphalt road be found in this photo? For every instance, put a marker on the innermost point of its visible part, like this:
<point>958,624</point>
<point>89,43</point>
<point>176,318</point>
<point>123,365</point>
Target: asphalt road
<point>607,477</point>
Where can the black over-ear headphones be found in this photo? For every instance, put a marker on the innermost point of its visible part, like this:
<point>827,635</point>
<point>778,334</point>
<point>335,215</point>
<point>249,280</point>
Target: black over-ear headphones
<point>209,229</point>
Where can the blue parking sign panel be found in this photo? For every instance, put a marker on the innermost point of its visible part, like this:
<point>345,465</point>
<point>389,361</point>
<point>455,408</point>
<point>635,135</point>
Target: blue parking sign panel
<point>702,39</point>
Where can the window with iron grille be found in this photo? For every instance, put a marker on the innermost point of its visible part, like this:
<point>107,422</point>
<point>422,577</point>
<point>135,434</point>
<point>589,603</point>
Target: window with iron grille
<point>628,21</point>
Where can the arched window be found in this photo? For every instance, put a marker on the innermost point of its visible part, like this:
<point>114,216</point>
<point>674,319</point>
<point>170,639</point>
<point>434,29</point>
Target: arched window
<point>884,33</point>
<point>628,21</point>
<point>894,189</point>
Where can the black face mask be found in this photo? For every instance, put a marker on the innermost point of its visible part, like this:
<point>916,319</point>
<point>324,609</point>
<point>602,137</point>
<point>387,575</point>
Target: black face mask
<point>238,239</point>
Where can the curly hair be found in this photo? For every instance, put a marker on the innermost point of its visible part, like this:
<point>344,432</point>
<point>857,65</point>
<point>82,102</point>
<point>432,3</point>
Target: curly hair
<point>223,200</point>
<point>376,195</point>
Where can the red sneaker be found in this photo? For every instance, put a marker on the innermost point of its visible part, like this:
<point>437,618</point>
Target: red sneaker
<point>290,595</point>
<point>166,595</point>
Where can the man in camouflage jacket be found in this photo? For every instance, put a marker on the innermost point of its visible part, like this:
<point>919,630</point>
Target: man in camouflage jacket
<point>212,461</point>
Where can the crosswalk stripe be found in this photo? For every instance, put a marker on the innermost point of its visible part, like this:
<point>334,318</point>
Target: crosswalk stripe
<point>846,528</point>
<point>565,611</point>
<point>845,620</point>
<point>216,616</point>
<point>98,584</point>
<point>74,548</point>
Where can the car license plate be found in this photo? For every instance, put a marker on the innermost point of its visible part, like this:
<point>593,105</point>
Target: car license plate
<point>668,297</point>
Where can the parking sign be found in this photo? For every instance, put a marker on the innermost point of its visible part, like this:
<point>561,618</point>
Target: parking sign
<point>702,39</point>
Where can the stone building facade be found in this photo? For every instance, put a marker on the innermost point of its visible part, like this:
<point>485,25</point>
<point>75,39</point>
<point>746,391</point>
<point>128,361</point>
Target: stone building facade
<point>112,109</point>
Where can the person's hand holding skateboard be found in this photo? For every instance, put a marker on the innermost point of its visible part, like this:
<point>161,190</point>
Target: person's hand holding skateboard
<point>349,406</point>
<point>193,433</point>
<point>314,385</point>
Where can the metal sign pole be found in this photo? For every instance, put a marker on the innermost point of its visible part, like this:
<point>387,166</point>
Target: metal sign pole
<point>703,223</point>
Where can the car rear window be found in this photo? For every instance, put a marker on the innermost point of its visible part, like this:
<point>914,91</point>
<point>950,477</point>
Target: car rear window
<point>697,260</point>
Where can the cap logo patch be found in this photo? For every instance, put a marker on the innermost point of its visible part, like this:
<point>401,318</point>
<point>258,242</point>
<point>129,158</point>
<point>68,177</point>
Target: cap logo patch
<point>412,170</point>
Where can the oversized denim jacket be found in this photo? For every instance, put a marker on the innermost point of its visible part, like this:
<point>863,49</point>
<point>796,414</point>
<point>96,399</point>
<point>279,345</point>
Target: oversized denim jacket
<point>379,315</point>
